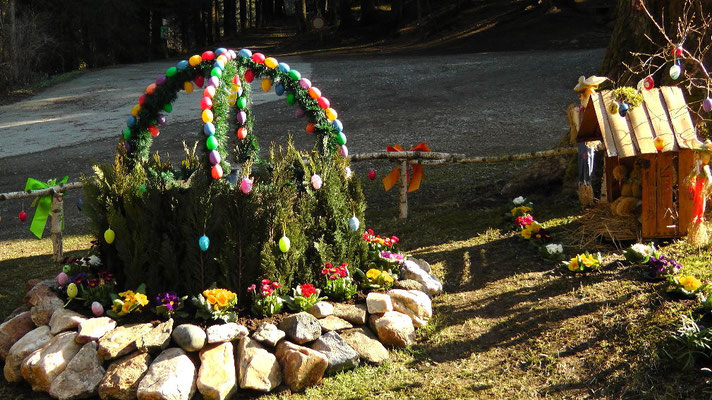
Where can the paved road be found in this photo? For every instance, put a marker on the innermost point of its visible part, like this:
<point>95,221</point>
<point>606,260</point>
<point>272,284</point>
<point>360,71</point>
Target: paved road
<point>477,104</point>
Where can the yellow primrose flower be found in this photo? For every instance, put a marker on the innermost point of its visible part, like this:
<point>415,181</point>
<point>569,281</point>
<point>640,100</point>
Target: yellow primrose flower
<point>535,226</point>
<point>573,264</point>
<point>128,293</point>
<point>690,283</point>
<point>141,299</point>
<point>387,278</point>
<point>588,260</point>
<point>222,299</point>
<point>126,308</point>
<point>373,274</point>
<point>526,233</point>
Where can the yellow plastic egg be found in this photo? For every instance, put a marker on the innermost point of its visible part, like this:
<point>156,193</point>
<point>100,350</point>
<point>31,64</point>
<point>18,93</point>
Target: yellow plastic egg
<point>271,62</point>
<point>109,236</point>
<point>331,114</point>
<point>194,60</point>
<point>266,84</point>
<point>207,116</point>
<point>135,110</point>
<point>188,86</point>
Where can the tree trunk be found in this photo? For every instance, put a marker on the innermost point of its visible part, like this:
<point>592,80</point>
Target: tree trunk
<point>244,24</point>
<point>302,15</point>
<point>229,17</point>
<point>368,10</point>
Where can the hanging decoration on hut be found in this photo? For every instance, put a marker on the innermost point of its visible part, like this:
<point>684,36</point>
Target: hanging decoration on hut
<point>371,174</point>
<point>415,175</point>
<point>354,223</point>
<point>625,98</point>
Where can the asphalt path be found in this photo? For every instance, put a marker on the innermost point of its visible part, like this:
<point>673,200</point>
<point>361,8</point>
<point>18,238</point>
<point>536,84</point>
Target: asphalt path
<point>477,104</point>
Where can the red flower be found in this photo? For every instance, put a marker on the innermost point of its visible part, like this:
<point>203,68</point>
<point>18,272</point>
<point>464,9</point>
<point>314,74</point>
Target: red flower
<point>307,289</point>
<point>370,231</point>
<point>266,281</point>
<point>328,265</point>
<point>93,282</point>
<point>333,277</point>
<point>324,271</point>
<point>276,285</point>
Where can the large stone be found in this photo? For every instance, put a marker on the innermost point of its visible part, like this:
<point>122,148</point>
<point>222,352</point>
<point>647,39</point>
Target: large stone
<point>393,328</point>
<point>40,293</point>
<point>156,339</point>
<point>189,337</point>
<point>332,323</point>
<point>257,368</point>
<point>226,332</point>
<point>301,366</point>
<point>11,331</point>
<point>42,366</point>
<point>64,320</point>
<point>81,378</point>
<point>33,340</point>
<point>170,376</point>
<point>368,347</point>
<point>414,304</point>
<point>122,340</point>
<point>321,309</point>
<point>19,310</point>
<point>411,270</point>
<point>268,334</point>
<point>301,327</point>
<point>217,379</point>
<point>424,265</point>
<point>356,314</point>
<point>41,314</point>
<point>123,375</point>
<point>340,355</point>
<point>378,303</point>
<point>92,329</point>
<point>409,284</point>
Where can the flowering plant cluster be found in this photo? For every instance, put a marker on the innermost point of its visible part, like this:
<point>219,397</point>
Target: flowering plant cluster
<point>169,305</point>
<point>662,266</point>
<point>687,285</point>
<point>216,304</point>
<point>521,212</point>
<point>127,302</point>
<point>265,301</point>
<point>339,285</point>
<point>533,232</point>
<point>552,252</point>
<point>639,253</point>
<point>584,262</point>
<point>88,287</point>
<point>376,242</point>
<point>304,297</point>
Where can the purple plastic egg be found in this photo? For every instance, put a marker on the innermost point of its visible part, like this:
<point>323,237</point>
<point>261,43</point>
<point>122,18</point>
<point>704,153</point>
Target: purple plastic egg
<point>161,119</point>
<point>246,185</point>
<point>707,104</point>
<point>214,81</point>
<point>97,309</point>
<point>161,80</point>
<point>344,151</point>
<point>127,146</point>
<point>242,117</point>
<point>214,157</point>
<point>62,279</point>
<point>305,83</point>
<point>299,112</point>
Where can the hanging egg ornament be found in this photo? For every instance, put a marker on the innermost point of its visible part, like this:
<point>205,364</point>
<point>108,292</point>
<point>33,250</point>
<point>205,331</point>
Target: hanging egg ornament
<point>659,143</point>
<point>266,84</point>
<point>290,99</point>
<point>246,185</point>
<point>354,223</point>
<point>72,290</point>
<point>109,236</point>
<point>316,182</point>
<point>623,109</point>
<point>241,132</point>
<point>310,127</point>
<point>204,243</point>
<point>371,174</point>
<point>22,215</point>
<point>614,107</point>
<point>707,104</point>
<point>216,172</point>
<point>279,89</point>
<point>678,51</point>
<point>299,112</point>
<point>62,279</point>
<point>675,71</point>
<point>199,81</point>
<point>648,82</point>
<point>249,76</point>
<point>154,130</point>
<point>80,204</point>
<point>271,62</point>
<point>284,244</point>
<point>97,309</point>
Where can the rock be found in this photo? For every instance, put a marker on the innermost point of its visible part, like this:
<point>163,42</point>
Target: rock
<point>356,314</point>
<point>11,331</point>
<point>414,304</point>
<point>43,365</point>
<point>422,264</point>
<point>33,340</point>
<point>40,293</point>
<point>321,309</point>
<point>378,303</point>
<point>123,375</point>
<point>268,334</point>
<point>31,283</point>
<point>411,270</point>
<point>226,332</point>
<point>393,328</point>
<point>257,368</point>
<point>301,366</point>
<point>19,310</point>
<point>80,379</point>
<point>189,337</point>
<point>217,376</point>
<point>122,340</point>
<point>301,327</point>
<point>64,320</point>
<point>157,339</point>
<point>340,355</point>
<point>42,313</point>
<point>170,376</point>
<point>93,329</point>
<point>409,284</point>
<point>368,347</point>
<point>332,323</point>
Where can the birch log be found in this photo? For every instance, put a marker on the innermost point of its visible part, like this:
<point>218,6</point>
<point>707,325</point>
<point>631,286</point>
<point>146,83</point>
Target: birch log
<point>57,214</point>
<point>403,195</point>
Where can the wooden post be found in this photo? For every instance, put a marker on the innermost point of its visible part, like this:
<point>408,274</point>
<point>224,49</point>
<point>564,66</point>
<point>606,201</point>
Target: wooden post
<point>56,227</point>
<point>403,195</point>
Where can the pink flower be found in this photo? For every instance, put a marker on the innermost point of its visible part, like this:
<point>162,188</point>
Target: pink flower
<point>276,285</point>
<point>251,288</point>
<point>524,220</point>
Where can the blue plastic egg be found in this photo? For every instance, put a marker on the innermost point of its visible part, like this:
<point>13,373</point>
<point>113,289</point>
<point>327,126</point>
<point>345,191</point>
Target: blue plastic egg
<point>623,109</point>
<point>204,243</point>
<point>354,223</point>
<point>279,89</point>
<point>247,53</point>
<point>337,125</point>
<point>209,128</point>
<point>131,122</point>
<point>283,67</point>
<point>182,65</point>
<point>220,51</point>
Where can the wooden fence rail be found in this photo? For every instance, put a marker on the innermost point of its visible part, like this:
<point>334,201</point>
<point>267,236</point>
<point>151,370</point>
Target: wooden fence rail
<point>402,157</point>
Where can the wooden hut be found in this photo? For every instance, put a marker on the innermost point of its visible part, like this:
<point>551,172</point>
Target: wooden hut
<point>630,141</point>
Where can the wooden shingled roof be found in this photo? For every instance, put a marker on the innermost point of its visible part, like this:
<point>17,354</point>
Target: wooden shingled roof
<point>663,114</point>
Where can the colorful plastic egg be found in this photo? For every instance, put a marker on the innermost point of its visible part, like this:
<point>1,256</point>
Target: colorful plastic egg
<point>204,243</point>
<point>62,279</point>
<point>153,129</point>
<point>247,53</point>
<point>72,290</point>
<point>675,71</point>
<point>216,172</point>
<point>371,174</point>
<point>305,83</point>
<point>338,125</point>
<point>354,223</point>
<point>109,236</point>
<point>206,103</point>
<point>314,92</point>
<point>266,84</point>
<point>207,116</point>
<point>294,75</point>
<point>323,102</point>
<point>311,127</point>
<point>241,103</point>
<point>279,89</point>
<point>316,182</point>
<point>648,82</point>
<point>284,244</point>
<point>194,60</point>
<point>299,112</point>
<point>211,143</point>
<point>182,65</point>
<point>331,114</point>
<point>209,128</point>
<point>208,56</point>
<point>707,104</point>
<point>241,132</point>
<point>283,67</point>
<point>97,309</point>
<point>241,117</point>
<point>341,138</point>
<point>188,86</point>
<point>214,157</point>
<point>249,76</point>
<point>271,62</point>
<point>259,58</point>
<point>246,185</point>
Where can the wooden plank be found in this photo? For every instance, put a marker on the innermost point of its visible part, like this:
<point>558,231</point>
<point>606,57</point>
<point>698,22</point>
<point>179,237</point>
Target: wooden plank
<point>659,120</point>
<point>679,115</point>
<point>642,131</point>
<point>613,187</point>
<point>686,162</point>
<point>666,208</point>
<point>619,129</point>
<point>603,124</point>
<point>650,188</point>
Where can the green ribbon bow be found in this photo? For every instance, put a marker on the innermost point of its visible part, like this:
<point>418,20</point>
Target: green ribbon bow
<point>43,204</point>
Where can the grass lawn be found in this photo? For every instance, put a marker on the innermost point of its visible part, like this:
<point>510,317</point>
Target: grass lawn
<point>509,326</point>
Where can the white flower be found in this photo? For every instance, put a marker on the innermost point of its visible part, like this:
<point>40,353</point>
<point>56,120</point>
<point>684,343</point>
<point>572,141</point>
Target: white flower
<point>348,172</point>
<point>519,201</point>
<point>642,249</point>
<point>554,248</point>
<point>94,260</point>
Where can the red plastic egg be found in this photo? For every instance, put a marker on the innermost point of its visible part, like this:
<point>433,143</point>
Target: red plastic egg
<point>371,174</point>
<point>199,81</point>
<point>648,82</point>
<point>323,102</point>
<point>209,92</point>
<point>154,130</point>
<point>310,127</point>
<point>206,103</point>
<point>216,172</point>
<point>22,216</point>
<point>141,99</point>
<point>678,51</point>
<point>150,89</point>
<point>241,132</point>
<point>259,58</point>
<point>208,55</point>
<point>249,75</point>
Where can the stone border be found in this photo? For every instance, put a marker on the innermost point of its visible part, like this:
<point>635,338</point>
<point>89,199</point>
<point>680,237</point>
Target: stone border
<point>70,356</point>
